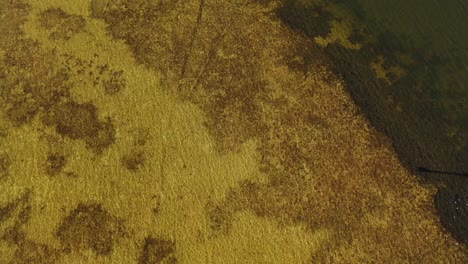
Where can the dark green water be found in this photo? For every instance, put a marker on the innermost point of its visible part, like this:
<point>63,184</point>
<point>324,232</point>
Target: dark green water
<point>429,39</point>
<point>436,29</point>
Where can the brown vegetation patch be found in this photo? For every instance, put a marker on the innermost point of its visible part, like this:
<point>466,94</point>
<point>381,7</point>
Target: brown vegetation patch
<point>31,252</point>
<point>13,216</point>
<point>30,81</point>
<point>115,83</point>
<point>60,24</point>
<point>5,163</point>
<point>27,251</point>
<point>156,250</point>
<point>137,156</point>
<point>134,160</point>
<point>55,163</point>
<point>90,226</point>
<point>19,209</point>
<point>80,121</point>
<point>37,81</point>
<point>12,16</point>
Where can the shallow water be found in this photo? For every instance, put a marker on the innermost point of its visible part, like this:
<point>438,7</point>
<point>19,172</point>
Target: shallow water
<point>434,28</point>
